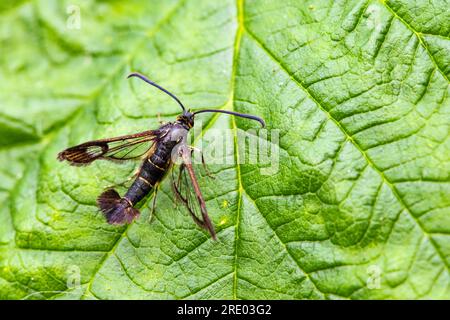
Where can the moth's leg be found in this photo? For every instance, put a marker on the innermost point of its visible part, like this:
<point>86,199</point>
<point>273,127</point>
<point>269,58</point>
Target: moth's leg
<point>180,176</point>
<point>208,173</point>
<point>172,183</point>
<point>176,185</point>
<point>185,201</point>
<point>161,122</point>
<point>152,211</point>
<point>192,148</point>
<point>176,192</point>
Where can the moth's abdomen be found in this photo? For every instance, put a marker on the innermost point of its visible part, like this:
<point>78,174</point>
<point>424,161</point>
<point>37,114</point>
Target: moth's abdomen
<point>140,188</point>
<point>152,172</point>
<point>119,210</point>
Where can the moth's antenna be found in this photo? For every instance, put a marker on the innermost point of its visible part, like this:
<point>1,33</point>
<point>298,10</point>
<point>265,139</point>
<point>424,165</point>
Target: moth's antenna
<point>242,115</point>
<point>144,78</point>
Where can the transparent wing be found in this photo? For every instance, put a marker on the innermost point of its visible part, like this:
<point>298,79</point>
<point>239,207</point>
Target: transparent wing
<point>117,149</point>
<point>188,192</point>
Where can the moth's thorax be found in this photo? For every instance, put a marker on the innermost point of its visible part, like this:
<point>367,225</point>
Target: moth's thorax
<point>173,133</point>
<point>178,132</point>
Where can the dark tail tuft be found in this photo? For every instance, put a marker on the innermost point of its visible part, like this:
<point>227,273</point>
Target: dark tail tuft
<point>115,209</point>
<point>108,200</point>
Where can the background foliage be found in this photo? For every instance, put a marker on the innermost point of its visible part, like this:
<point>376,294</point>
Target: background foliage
<point>358,89</point>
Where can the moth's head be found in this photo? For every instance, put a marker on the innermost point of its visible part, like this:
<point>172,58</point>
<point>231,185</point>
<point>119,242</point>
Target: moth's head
<point>186,119</point>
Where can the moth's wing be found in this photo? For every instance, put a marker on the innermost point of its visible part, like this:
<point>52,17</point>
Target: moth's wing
<point>188,192</point>
<point>121,148</point>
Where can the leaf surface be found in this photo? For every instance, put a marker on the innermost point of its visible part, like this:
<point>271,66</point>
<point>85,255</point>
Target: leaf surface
<point>359,207</point>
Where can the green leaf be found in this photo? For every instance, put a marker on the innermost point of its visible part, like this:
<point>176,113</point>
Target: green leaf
<point>359,206</point>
